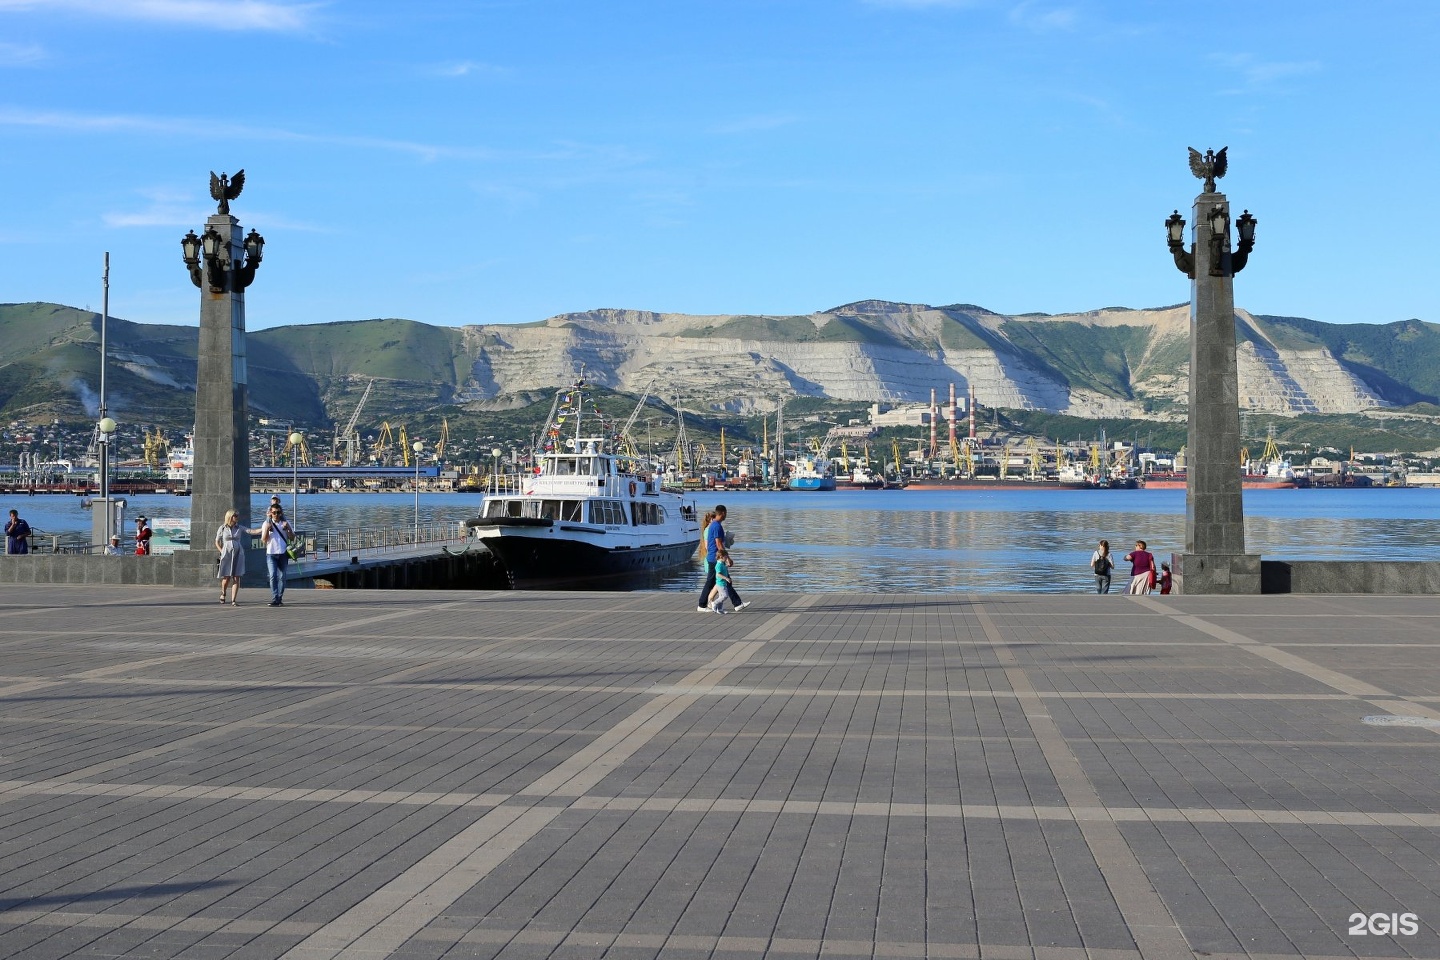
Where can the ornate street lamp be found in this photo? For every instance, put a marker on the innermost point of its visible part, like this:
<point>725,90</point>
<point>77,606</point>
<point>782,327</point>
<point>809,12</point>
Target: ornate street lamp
<point>419,447</point>
<point>1223,263</point>
<point>219,267</point>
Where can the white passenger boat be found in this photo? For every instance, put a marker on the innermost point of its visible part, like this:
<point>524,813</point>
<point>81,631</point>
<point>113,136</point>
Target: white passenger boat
<point>585,514</point>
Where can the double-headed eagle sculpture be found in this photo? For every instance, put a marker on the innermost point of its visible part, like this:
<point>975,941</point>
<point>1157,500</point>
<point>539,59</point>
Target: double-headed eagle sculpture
<point>225,188</point>
<point>1210,167</point>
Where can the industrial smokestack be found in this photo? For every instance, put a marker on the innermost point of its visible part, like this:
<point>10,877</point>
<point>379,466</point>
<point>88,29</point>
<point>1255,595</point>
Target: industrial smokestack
<point>972,411</point>
<point>952,414</point>
<point>934,412</point>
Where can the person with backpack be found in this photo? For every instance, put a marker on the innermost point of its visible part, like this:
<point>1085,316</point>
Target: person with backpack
<point>1102,564</point>
<point>17,534</point>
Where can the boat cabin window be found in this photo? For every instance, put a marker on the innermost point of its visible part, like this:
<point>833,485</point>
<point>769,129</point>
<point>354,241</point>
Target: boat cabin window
<point>648,514</point>
<point>509,507</point>
<point>536,509</point>
<point>609,513</point>
<point>553,509</point>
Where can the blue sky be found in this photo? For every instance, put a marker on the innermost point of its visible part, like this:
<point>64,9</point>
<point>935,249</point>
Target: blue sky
<point>463,161</point>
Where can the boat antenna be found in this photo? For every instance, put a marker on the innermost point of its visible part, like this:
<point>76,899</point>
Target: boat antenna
<point>579,405</point>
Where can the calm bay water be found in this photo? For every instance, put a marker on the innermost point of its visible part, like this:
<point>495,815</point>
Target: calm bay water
<point>899,541</point>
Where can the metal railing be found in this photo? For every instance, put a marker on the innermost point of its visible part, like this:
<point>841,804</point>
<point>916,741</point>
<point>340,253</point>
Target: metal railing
<point>317,544</point>
<point>349,542</point>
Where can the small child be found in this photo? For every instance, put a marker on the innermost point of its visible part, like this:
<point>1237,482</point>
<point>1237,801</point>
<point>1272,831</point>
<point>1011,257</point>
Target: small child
<point>1164,578</point>
<point>722,581</point>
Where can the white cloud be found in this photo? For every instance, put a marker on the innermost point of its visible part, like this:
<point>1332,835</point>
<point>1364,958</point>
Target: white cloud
<point>169,207</point>
<point>1035,17</point>
<point>1257,74</point>
<point>211,131</point>
<point>20,54</point>
<point>466,68</point>
<point>216,14</point>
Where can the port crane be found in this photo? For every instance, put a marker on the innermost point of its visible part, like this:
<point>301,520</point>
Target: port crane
<point>157,449</point>
<point>348,437</point>
<point>380,452</point>
<point>297,453</point>
<point>626,439</point>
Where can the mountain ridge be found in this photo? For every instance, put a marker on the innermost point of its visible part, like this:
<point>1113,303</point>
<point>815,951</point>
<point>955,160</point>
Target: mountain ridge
<point>1110,362</point>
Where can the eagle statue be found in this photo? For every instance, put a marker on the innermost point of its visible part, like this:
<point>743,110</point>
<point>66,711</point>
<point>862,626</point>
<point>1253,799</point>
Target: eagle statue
<point>225,188</point>
<point>1210,167</point>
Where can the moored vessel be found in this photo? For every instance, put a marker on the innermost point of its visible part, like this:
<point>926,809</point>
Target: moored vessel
<point>585,515</point>
<point>812,473</point>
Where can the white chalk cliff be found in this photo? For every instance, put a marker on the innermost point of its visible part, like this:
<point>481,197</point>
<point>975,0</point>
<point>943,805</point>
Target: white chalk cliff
<point>1113,362</point>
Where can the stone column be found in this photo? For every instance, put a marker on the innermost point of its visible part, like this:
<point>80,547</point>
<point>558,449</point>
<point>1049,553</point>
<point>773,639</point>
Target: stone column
<point>1215,560</point>
<point>221,478</point>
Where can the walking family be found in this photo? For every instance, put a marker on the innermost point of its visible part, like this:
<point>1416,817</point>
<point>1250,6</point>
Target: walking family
<point>1145,576</point>
<point>719,585</point>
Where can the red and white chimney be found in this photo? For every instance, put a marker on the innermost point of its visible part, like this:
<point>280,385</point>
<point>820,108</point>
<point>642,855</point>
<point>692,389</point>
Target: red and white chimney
<point>972,411</point>
<point>952,414</point>
<point>934,412</point>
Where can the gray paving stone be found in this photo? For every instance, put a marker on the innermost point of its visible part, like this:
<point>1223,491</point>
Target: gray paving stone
<point>876,777</point>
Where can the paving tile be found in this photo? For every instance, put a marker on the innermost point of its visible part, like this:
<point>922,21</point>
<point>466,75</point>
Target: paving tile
<point>866,776</point>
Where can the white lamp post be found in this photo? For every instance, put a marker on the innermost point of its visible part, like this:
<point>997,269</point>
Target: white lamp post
<point>496,452</point>
<point>107,430</point>
<point>418,446</point>
<point>296,439</point>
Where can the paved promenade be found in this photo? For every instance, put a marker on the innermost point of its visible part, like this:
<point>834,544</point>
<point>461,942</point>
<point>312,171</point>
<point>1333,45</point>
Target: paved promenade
<point>368,774</point>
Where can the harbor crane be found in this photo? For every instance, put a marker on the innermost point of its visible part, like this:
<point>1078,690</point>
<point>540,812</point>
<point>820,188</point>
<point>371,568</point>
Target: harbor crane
<point>444,439</point>
<point>626,439</point>
<point>297,453</point>
<point>380,452</point>
<point>348,437</point>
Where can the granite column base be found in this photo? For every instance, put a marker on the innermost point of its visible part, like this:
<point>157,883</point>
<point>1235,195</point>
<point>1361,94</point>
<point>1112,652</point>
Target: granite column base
<point>1223,573</point>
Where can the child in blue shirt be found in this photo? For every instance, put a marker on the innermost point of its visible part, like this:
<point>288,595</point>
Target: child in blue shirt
<point>722,588</point>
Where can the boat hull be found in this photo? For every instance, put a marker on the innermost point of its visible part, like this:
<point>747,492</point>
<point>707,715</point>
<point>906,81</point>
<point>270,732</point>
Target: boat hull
<point>1246,483</point>
<point>812,483</point>
<point>540,556</point>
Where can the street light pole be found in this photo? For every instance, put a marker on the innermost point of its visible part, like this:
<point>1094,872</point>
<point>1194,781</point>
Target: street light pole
<point>418,446</point>
<point>107,430</point>
<point>296,439</point>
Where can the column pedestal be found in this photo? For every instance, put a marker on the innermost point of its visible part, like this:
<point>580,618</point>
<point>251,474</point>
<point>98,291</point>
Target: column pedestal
<point>1232,573</point>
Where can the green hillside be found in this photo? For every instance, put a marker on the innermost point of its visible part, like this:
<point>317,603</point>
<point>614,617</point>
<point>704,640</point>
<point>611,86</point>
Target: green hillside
<point>389,349</point>
<point>1102,358</point>
<point>1401,360</point>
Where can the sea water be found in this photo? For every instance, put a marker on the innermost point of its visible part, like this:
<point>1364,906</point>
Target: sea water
<point>903,541</point>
